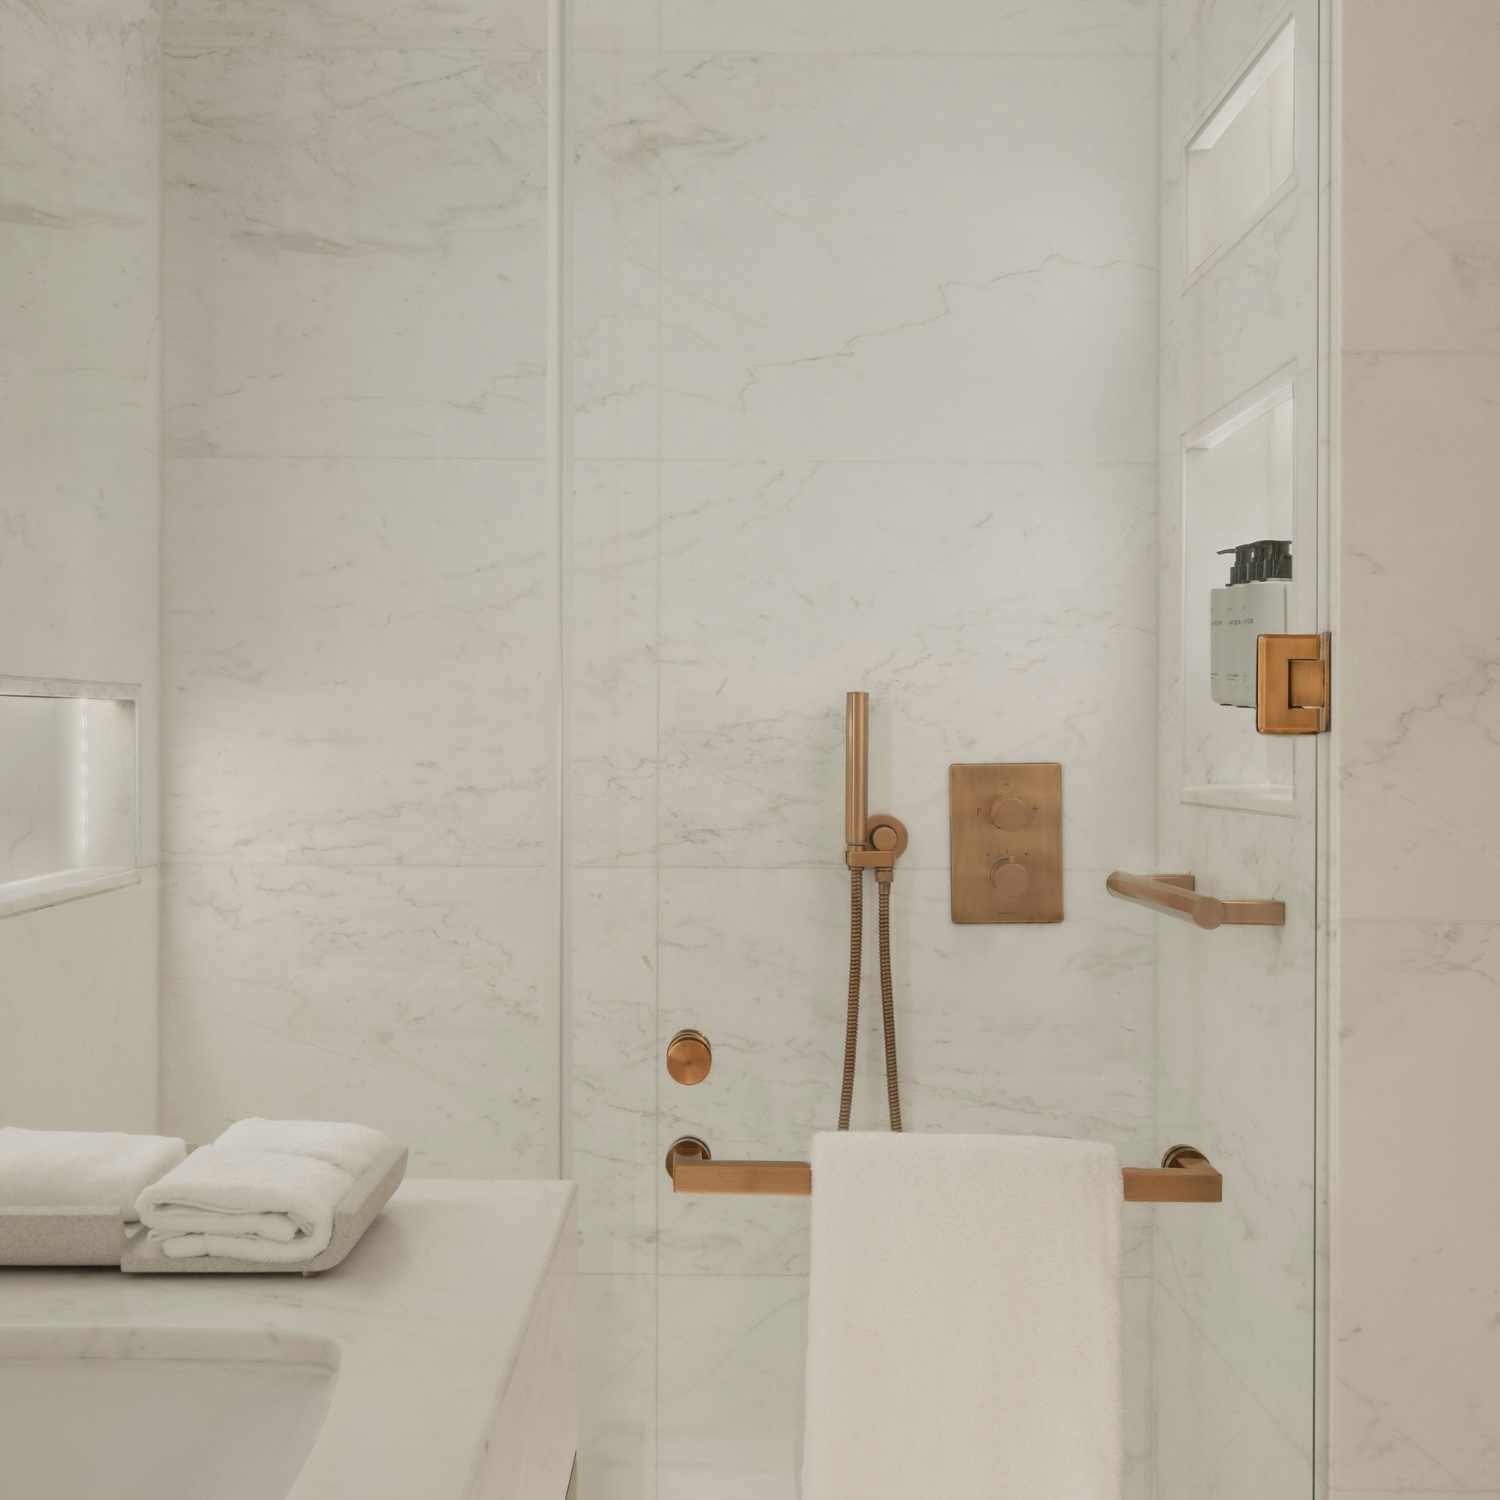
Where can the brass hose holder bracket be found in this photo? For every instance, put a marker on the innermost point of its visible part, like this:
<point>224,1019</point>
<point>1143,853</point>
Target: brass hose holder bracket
<point>885,843</point>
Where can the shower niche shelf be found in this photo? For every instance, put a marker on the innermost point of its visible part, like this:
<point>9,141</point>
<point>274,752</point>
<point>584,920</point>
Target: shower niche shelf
<point>1239,162</point>
<point>1238,484</point>
<point>68,791</point>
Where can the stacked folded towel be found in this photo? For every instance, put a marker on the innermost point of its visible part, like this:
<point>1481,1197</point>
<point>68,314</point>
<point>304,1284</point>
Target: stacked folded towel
<point>350,1148</point>
<point>81,1168</point>
<point>264,1191</point>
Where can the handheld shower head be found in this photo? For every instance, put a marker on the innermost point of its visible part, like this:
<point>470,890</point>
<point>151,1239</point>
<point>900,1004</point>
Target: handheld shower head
<point>856,768</point>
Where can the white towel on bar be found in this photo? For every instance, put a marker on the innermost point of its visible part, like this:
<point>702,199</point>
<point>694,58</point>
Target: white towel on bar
<point>964,1319</point>
<point>350,1148</point>
<point>254,1205</point>
<point>80,1168</point>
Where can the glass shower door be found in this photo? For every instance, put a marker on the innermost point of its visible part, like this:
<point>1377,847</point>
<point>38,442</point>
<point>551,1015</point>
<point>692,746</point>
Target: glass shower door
<point>1233,1319</point>
<point>864,301</point>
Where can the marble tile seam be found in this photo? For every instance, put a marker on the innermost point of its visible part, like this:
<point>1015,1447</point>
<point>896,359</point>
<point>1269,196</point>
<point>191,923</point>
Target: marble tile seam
<point>1379,351</point>
<point>189,455</point>
<point>183,48</point>
<point>1364,1493</point>
<point>1129,1276</point>
<point>862,54</point>
<point>802,460</point>
<point>228,861</point>
<point>1483,924</point>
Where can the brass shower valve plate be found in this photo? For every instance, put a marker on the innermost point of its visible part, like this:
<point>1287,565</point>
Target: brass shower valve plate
<point>1005,827</point>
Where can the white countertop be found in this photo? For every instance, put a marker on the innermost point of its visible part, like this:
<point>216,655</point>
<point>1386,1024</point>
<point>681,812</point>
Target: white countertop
<point>429,1311</point>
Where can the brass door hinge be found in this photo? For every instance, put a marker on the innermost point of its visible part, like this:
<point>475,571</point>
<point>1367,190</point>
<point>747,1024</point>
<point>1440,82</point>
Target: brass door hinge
<point>1292,684</point>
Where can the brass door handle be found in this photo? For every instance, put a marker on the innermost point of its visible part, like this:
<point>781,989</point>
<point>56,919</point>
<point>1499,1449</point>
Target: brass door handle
<point>1185,1175</point>
<point>691,1167</point>
<point>1177,896</point>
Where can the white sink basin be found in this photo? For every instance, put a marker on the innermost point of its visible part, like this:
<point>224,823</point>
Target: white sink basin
<point>159,1413</point>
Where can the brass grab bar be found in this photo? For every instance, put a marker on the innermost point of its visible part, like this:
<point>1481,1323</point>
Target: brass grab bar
<point>1185,1176</point>
<point>1177,896</point>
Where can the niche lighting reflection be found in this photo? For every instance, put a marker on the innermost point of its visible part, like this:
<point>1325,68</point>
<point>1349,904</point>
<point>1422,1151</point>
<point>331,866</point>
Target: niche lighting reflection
<point>1242,157</point>
<point>68,792</point>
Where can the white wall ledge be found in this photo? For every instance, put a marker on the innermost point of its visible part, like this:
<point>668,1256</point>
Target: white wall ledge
<point>54,888</point>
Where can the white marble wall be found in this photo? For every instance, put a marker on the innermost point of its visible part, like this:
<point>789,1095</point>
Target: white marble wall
<point>80,308</point>
<point>865,306</point>
<point>1415,1399</point>
<point>358,616</point>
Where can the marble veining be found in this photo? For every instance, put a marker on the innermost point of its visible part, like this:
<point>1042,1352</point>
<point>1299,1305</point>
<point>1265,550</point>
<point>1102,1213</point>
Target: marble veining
<point>1416,845</point>
<point>407,998</point>
<point>759,559</point>
<point>1420,274</point>
<point>356,654</point>
<point>730,1386</point>
<point>1080,27</point>
<point>359,574</point>
<point>617,1395</point>
<point>79,428</point>
<point>863,387</point>
<point>864,398</point>
<point>315,309</point>
<point>918,227</point>
<point>380,24</point>
<point>616,1064</point>
<point>1414,1403</point>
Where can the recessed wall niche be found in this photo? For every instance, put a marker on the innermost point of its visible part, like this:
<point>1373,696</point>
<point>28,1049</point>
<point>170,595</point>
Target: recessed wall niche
<point>1241,158</point>
<point>1237,487</point>
<point>68,791</point>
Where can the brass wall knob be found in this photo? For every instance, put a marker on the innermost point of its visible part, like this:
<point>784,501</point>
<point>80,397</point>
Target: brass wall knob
<point>1009,878</point>
<point>689,1057</point>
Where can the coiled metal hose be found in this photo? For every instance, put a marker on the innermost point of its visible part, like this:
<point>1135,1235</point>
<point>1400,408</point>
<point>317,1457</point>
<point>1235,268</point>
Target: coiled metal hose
<point>887,999</point>
<point>851,1030</point>
<point>888,1007</point>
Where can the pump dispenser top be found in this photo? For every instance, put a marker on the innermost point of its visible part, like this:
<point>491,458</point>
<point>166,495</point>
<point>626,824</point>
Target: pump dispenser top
<point>1259,562</point>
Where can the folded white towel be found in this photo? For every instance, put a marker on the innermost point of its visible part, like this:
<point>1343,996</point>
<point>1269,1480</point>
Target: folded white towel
<point>256,1205</point>
<point>80,1168</point>
<point>350,1148</point>
<point>964,1316</point>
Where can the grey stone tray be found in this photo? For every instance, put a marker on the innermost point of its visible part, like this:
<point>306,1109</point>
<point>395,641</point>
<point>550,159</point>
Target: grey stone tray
<point>97,1236</point>
<point>61,1236</point>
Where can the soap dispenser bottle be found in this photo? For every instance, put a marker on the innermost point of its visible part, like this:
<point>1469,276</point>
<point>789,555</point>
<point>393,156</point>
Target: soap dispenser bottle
<point>1252,604</point>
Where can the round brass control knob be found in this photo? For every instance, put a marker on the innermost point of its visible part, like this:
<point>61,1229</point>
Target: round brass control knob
<point>1010,814</point>
<point>689,1057</point>
<point>1009,878</point>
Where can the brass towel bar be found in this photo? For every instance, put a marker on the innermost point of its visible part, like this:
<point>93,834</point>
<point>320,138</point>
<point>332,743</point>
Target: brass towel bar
<point>1185,1176</point>
<point>1177,896</point>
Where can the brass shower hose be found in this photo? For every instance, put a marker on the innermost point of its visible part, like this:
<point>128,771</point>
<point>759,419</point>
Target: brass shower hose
<point>887,998</point>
